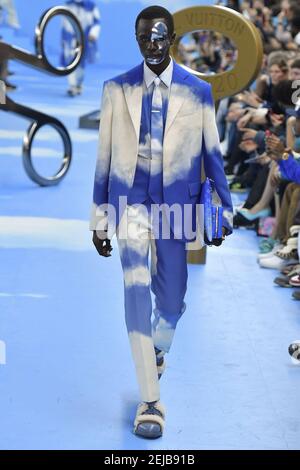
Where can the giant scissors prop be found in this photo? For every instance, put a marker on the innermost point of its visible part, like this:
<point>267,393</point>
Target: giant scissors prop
<point>37,118</point>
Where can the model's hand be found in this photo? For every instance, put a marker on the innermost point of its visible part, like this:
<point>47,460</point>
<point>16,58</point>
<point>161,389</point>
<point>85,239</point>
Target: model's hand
<point>219,241</point>
<point>102,245</point>
<point>216,241</point>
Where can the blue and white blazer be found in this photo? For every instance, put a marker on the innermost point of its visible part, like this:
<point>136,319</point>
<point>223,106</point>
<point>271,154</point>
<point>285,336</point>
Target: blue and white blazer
<point>190,139</point>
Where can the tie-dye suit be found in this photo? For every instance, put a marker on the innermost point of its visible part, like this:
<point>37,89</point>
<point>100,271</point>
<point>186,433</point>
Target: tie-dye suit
<point>190,137</point>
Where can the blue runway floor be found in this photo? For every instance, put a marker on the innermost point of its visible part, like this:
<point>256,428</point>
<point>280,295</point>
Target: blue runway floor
<point>68,381</point>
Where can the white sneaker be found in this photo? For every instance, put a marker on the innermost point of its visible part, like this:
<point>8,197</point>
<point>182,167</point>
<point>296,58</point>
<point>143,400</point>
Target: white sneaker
<point>277,247</point>
<point>274,262</point>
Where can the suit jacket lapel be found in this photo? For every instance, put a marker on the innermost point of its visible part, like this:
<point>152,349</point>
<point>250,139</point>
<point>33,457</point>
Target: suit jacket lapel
<point>176,99</point>
<point>133,91</point>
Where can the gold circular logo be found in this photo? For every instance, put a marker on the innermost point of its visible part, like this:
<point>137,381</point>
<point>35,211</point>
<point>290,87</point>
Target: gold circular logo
<point>234,26</point>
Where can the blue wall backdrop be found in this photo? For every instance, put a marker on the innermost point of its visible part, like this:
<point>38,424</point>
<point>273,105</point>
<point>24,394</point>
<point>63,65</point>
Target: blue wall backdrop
<point>118,19</point>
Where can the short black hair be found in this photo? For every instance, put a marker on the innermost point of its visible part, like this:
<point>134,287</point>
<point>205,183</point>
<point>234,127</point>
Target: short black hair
<point>155,11</point>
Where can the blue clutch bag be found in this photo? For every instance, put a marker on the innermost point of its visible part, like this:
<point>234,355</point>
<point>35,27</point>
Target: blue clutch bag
<point>213,210</point>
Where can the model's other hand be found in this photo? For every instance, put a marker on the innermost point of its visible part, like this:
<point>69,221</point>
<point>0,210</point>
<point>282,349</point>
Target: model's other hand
<point>102,245</point>
<point>216,241</point>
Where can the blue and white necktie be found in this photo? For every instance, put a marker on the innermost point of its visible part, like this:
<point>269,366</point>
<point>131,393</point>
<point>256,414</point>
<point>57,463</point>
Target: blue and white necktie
<point>157,127</point>
<point>157,131</point>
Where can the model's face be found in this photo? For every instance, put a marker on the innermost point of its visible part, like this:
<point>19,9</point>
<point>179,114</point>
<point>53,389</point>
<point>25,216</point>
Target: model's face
<point>154,40</point>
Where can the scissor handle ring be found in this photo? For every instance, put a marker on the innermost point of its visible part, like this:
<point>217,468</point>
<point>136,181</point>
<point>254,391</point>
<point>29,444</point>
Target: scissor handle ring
<point>40,35</point>
<point>27,157</point>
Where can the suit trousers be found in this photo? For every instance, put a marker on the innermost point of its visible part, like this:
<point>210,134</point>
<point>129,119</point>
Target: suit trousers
<point>139,235</point>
